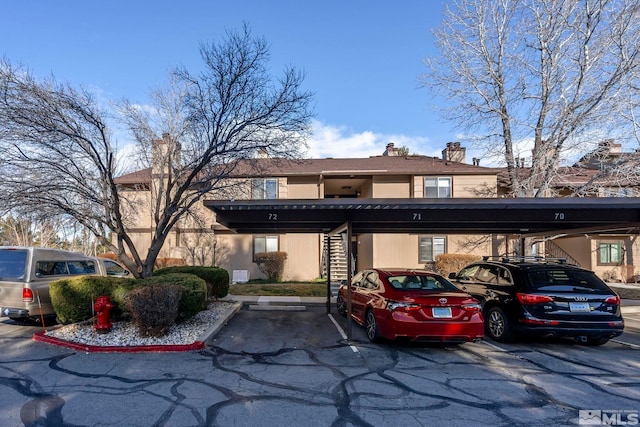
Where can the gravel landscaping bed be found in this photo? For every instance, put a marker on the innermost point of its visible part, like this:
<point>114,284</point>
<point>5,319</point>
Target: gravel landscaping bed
<point>126,334</point>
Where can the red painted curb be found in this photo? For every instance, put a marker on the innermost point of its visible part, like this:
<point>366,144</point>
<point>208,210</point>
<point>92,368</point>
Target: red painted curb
<point>41,337</point>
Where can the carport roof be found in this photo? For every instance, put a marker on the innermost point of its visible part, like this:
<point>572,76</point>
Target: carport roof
<point>529,216</point>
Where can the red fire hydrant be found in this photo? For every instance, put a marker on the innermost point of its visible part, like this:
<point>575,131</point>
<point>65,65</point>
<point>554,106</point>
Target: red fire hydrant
<point>103,308</point>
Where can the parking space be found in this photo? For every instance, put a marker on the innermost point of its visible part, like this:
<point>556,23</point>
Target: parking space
<point>295,368</point>
<point>530,383</point>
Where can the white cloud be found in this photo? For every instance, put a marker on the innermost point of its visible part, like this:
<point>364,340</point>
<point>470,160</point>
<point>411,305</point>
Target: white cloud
<point>337,142</point>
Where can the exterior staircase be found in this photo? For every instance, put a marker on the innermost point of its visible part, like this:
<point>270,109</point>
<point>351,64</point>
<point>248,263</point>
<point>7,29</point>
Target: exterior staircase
<point>338,258</point>
<point>552,250</point>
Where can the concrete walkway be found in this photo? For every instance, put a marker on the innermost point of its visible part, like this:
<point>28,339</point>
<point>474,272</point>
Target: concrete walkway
<point>628,306</point>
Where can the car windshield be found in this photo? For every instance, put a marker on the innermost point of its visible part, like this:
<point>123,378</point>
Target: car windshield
<point>420,282</point>
<point>565,280</point>
<point>12,264</point>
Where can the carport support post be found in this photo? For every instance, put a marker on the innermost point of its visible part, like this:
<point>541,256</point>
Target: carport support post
<point>346,228</point>
<point>349,275</point>
<point>328,249</point>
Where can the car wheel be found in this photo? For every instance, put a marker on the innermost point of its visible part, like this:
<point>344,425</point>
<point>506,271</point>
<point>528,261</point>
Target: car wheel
<point>371,326</point>
<point>596,341</point>
<point>497,325</point>
<point>341,305</point>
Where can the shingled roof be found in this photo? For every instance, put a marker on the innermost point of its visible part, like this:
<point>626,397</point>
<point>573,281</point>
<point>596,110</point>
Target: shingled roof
<point>375,165</point>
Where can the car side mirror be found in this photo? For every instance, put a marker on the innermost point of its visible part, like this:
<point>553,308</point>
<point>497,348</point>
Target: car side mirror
<point>453,275</point>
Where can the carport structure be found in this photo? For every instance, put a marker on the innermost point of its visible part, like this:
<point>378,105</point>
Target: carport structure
<point>525,217</point>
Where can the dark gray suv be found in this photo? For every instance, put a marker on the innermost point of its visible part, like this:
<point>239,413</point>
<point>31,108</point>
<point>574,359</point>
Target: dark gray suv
<point>543,297</point>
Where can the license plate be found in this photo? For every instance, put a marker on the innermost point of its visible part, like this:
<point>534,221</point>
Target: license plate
<point>579,306</point>
<point>442,312</point>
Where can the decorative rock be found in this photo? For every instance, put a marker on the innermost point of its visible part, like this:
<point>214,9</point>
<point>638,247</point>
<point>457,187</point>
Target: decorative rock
<point>126,334</point>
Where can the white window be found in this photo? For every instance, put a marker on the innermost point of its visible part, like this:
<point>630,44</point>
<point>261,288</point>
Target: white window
<point>430,247</point>
<point>265,244</point>
<point>262,189</point>
<point>437,187</point>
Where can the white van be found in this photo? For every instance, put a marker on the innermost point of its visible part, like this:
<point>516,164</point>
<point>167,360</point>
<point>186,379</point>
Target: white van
<point>25,274</point>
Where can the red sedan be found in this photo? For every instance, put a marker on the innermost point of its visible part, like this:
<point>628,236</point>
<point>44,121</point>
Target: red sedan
<point>413,304</point>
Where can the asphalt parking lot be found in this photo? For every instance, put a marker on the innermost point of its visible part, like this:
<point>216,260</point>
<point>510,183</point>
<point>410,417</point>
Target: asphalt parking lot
<point>274,368</point>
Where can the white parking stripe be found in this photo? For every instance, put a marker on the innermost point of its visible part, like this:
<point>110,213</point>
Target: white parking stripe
<point>344,336</point>
<point>490,344</point>
<point>628,344</point>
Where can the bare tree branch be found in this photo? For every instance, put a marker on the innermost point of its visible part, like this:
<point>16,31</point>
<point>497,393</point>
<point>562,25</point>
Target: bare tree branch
<point>57,155</point>
<point>557,76</point>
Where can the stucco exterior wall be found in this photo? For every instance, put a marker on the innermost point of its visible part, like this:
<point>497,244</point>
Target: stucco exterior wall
<point>463,186</point>
<point>303,256</point>
<point>391,187</point>
<point>365,251</point>
<point>402,250</point>
<point>303,188</point>
<point>395,251</point>
<point>579,247</point>
<point>474,186</point>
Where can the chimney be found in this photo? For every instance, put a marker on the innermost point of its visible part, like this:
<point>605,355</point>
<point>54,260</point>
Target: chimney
<point>390,150</point>
<point>476,161</point>
<point>165,154</point>
<point>609,146</point>
<point>454,153</point>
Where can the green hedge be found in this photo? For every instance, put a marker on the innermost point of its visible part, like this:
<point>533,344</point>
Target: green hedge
<point>71,298</point>
<point>217,278</point>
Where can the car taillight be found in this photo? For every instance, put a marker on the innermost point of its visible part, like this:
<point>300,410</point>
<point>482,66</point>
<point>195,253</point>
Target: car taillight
<point>402,306</point>
<point>613,300</point>
<point>539,322</point>
<point>533,298</point>
<point>27,295</point>
<point>474,308</point>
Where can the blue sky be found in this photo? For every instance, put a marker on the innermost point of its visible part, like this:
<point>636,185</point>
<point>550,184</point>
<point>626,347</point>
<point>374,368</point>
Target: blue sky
<point>362,59</point>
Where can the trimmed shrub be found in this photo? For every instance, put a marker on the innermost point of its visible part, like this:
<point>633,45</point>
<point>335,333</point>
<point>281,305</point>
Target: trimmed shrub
<point>452,263</point>
<point>194,291</point>
<point>271,264</point>
<point>217,278</point>
<point>71,298</point>
<point>153,308</point>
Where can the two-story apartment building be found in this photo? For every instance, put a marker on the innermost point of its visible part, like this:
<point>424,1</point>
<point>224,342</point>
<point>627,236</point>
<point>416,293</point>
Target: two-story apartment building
<point>386,176</point>
<point>605,172</point>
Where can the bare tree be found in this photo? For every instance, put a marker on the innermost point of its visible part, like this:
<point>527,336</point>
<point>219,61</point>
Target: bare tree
<point>34,229</point>
<point>558,75</point>
<point>58,155</point>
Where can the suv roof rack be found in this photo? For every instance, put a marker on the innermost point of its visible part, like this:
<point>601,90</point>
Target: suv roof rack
<point>526,258</point>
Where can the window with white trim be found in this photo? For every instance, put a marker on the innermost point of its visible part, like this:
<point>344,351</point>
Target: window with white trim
<point>265,244</point>
<point>430,247</point>
<point>437,187</point>
<point>262,189</point>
